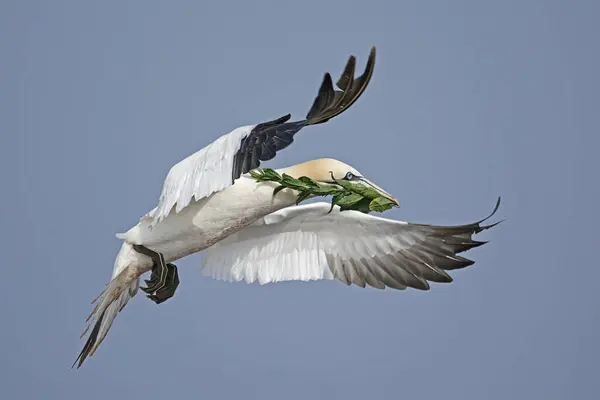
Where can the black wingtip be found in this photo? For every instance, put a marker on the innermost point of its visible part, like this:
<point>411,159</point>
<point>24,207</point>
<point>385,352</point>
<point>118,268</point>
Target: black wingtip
<point>493,213</point>
<point>485,227</point>
<point>329,102</point>
<point>267,138</point>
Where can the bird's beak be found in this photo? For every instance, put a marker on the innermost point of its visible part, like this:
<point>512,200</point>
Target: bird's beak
<point>380,190</point>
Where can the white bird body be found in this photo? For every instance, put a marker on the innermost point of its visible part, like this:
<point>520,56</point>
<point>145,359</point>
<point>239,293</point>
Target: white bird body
<point>202,223</point>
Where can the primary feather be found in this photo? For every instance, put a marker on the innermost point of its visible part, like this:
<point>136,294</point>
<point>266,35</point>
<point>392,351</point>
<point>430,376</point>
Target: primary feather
<point>308,243</point>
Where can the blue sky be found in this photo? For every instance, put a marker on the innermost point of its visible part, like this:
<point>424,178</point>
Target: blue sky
<point>469,100</point>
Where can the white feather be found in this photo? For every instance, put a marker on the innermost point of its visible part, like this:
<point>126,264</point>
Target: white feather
<point>309,243</point>
<point>296,242</point>
<point>203,173</point>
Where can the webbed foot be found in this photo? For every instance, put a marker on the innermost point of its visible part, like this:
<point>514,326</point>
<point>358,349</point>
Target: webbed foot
<point>164,279</point>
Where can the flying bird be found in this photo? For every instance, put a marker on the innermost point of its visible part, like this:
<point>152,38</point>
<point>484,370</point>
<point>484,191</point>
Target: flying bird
<point>209,202</point>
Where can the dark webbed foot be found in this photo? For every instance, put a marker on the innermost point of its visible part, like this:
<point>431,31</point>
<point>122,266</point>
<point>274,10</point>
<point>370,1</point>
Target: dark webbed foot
<point>166,291</point>
<point>164,279</point>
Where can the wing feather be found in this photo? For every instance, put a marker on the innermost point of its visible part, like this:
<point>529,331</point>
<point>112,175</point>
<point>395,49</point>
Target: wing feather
<point>308,243</point>
<point>218,165</point>
<point>205,172</point>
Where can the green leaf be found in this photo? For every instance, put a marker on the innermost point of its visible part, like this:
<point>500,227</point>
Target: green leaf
<point>308,181</point>
<point>278,189</point>
<point>334,200</point>
<point>365,191</point>
<point>265,175</point>
<point>289,180</point>
<point>381,204</point>
<point>337,197</point>
<point>293,183</point>
<point>302,196</point>
<point>271,174</point>
<point>255,173</point>
<point>359,188</point>
<point>345,184</point>
<point>326,190</point>
<point>363,206</point>
<point>347,201</point>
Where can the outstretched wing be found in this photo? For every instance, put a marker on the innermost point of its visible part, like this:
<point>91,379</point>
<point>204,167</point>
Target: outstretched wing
<point>306,243</point>
<point>219,164</point>
<point>268,138</point>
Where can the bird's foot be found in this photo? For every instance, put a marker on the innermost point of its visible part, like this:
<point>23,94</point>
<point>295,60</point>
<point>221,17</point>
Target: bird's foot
<point>164,279</point>
<point>160,291</point>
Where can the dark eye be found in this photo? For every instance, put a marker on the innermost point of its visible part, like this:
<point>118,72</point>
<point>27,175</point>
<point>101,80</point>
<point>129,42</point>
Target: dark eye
<point>349,176</point>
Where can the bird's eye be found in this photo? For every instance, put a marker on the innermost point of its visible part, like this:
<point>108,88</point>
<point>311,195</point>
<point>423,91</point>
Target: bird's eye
<point>349,176</point>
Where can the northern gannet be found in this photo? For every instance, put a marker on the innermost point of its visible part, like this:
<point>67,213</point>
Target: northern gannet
<point>209,202</point>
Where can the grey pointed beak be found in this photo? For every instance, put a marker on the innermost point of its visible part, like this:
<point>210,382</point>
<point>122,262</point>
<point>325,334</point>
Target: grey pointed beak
<point>380,190</point>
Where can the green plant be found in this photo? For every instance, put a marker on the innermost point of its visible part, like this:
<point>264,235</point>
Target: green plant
<point>347,195</point>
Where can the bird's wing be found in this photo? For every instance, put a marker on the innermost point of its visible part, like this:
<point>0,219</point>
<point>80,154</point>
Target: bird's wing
<point>219,164</point>
<point>306,243</point>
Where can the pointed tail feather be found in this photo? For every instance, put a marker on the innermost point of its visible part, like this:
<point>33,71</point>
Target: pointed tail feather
<point>110,302</point>
<point>123,286</point>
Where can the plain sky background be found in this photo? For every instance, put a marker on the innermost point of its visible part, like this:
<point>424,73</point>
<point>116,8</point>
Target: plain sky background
<point>469,100</point>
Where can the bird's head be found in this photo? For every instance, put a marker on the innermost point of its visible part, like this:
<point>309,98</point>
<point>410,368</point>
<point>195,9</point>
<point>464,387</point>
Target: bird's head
<point>327,170</point>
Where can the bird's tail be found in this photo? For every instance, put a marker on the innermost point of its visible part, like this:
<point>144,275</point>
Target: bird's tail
<point>330,102</point>
<point>122,287</point>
